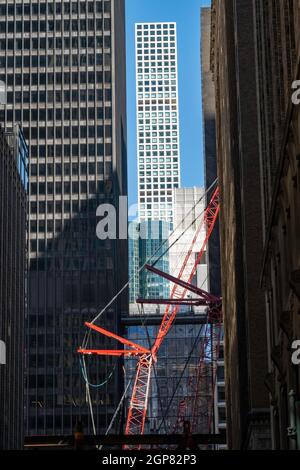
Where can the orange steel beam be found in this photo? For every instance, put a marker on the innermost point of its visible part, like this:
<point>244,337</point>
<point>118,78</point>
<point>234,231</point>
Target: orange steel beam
<point>109,334</point>
<point>108,352</point>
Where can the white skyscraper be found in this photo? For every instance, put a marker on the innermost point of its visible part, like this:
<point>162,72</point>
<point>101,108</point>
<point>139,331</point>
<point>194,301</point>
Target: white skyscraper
<point>158,145</point>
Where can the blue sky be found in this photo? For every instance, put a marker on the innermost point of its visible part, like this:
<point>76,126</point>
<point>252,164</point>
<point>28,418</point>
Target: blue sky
<point>186,13</point>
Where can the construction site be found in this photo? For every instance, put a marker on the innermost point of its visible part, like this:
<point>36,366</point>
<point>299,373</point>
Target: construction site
<point>187,421</point>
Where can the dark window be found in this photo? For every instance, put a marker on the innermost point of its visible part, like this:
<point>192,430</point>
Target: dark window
<point>66,7</point>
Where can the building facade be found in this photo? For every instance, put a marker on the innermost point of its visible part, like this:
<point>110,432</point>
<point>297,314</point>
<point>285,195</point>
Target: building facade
<point>154,246</point>
<point>259,173</point>
<point>13,201</point>
<point>149,245</point>
<point>210,154</point>
<point>277,59</point>
<point>211,174</point>
<point>64,67</point>
<point>241,232</point>
<point>158,140</point>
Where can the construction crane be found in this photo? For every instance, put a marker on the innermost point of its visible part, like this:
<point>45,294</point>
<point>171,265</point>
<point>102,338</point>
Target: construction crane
<point>182,285</point>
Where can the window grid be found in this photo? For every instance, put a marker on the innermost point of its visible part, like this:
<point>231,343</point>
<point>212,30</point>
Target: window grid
<point>158,140</point>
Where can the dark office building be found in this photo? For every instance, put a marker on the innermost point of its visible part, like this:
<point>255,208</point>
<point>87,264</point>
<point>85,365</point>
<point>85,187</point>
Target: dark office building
<point>64,67</point>
<point>256,59</point>
<point>150,245</point>
<point>13,187</point>
<point>210,153</point>
<point>277,39</point>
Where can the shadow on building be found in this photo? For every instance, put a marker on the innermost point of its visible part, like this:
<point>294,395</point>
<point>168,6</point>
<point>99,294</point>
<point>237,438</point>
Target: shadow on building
<point>72,276</point>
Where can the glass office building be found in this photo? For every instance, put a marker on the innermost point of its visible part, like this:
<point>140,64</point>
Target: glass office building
<point>154,246</point>
<point>16,140</point>
<point>133,262</point>
<point>13,187</point>
<point>63,63</point>
<point>151,247</point>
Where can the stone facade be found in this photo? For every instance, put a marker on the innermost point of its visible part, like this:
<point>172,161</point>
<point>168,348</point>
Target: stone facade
<point>277,31</point>
<point>255,59</point>
<point>233,56</point>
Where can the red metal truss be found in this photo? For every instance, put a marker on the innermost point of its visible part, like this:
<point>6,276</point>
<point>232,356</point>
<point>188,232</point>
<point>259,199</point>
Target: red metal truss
<point>135,349</point>
<point>139,400</point>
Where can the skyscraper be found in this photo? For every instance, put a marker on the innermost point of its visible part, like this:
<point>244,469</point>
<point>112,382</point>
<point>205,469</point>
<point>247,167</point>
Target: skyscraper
<point>157,120</point>
<point>13,187</point>
<point>211,174</point>
<point>64,67</point>
<point>243,304</point>
<point>151,246</point>
<point>210,152</point>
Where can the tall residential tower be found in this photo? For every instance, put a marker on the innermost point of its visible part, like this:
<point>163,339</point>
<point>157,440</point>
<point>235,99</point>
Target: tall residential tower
<point>157,120</point>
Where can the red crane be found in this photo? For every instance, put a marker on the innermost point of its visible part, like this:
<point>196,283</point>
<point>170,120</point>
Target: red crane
<point>139,401</point>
